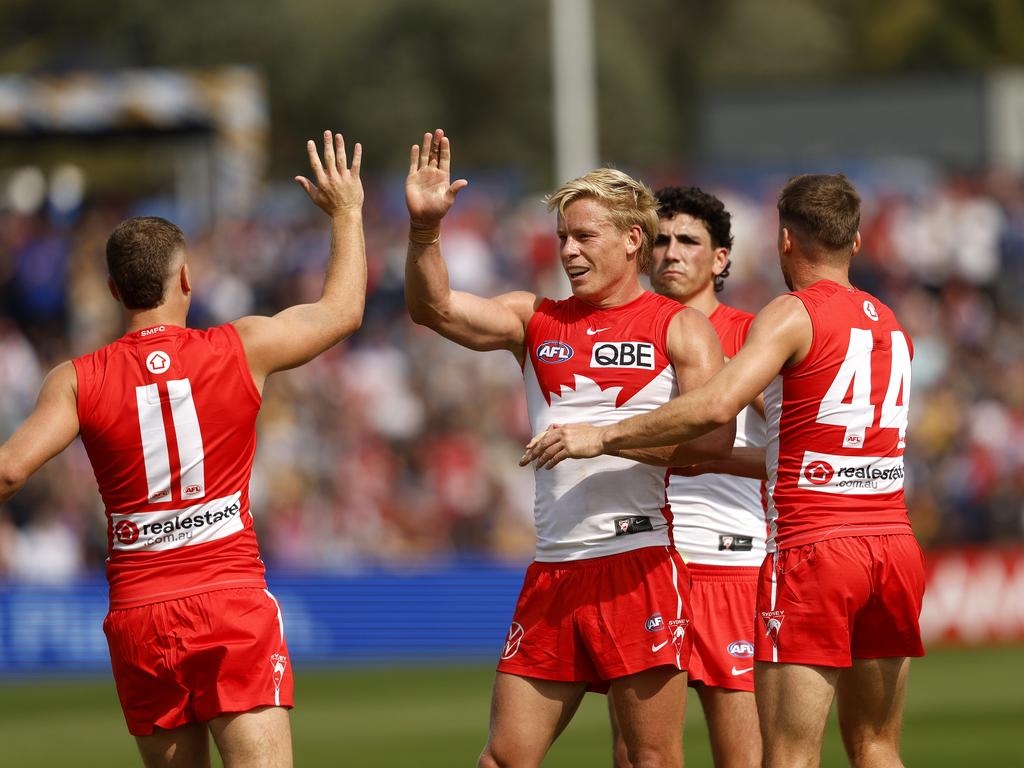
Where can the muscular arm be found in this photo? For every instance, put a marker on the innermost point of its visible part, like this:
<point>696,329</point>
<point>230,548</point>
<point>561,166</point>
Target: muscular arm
<point>48,430</point>
<point>469,320</point>
<point>298,334</point>
<point>696,353</point>
<point>780,336</point>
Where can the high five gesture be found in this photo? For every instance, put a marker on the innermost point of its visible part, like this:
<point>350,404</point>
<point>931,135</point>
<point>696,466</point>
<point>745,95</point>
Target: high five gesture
<point>429,193</point>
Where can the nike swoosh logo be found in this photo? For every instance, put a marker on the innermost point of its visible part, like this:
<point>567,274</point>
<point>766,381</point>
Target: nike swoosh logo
<point>595,331</point>
<point>741,671</point>
<point>658,647</point>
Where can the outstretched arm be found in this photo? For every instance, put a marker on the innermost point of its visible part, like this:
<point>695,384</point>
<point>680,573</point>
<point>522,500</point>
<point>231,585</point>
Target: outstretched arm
<point>780,336</point>
<point>298,334</point>
<point>48,430</point>
<point>472,321</point>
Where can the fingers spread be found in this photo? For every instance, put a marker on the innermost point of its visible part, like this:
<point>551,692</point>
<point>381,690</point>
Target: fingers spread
<point>357,158</point>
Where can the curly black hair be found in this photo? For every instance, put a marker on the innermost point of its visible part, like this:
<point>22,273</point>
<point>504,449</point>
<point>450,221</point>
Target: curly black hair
<point>704,206</point>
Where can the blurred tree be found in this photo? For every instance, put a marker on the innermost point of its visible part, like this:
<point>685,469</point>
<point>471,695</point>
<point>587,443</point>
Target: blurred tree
<point>383,71</point>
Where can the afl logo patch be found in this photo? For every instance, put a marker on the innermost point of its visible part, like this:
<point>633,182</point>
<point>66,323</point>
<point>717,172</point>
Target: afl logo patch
<point>870,311</point>
<point>654,623</point>
<point>741,649</point>
<point>554,352</point>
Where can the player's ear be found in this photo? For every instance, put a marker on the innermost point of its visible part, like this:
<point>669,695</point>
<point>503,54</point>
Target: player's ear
<point>113,289</point>
<point>721,260</point>
<point>634,239</point>
<point>185,280</point>
<point>856,244</point>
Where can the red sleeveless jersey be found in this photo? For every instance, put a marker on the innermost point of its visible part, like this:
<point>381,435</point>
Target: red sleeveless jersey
<point>168,418</point>
<point>837,423</point>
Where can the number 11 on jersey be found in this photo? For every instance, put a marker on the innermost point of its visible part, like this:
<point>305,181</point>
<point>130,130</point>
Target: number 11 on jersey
<point>189,441</point>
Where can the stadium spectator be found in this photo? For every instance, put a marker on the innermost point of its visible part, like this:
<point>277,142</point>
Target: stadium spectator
<point>196,641</point>
<point>840,597</point>
<point>278,253</point>
<point>605,602</point>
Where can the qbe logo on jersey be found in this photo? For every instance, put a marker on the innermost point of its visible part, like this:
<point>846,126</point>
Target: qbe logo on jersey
<point>857,475</point>
<point>623,354</point>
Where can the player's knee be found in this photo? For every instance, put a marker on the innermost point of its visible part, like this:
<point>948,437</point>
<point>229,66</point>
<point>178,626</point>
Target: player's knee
<point>488,759</point>
<point>620,756</point>
<point>874,749</point>
<point>652,757</point>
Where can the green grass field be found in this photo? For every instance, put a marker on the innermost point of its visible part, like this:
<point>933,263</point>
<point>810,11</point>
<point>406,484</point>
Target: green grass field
<point>964,708</point>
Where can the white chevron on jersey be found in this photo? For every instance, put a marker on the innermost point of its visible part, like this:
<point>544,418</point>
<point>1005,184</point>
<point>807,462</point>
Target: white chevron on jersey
<point>577,502</point>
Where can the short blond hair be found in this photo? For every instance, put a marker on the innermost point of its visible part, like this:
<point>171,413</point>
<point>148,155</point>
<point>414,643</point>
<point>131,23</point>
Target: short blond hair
<point>629,202</point>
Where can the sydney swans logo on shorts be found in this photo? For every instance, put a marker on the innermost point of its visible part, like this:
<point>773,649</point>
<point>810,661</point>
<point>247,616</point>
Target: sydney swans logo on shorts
<point>772,624</point>
<point>554,352</point>
<point>515,635</point>
<point>677,628</point>
<point>278,663</point>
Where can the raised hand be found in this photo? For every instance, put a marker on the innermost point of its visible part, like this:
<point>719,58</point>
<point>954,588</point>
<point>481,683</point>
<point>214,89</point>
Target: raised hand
<point>429,192</point>
<point>338,187</point>
<point>563,441</point>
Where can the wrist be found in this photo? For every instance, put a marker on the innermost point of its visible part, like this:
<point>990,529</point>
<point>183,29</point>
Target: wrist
<point>424,233</point>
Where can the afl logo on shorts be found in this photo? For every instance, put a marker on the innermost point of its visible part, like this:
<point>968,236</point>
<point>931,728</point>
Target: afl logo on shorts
<point>554,352</point>
<point>870,311</point>
<point>741,649</point>
<point>515,635</point>
<point>819,472</point>
<point>654,623</point>
<point>126,532</point>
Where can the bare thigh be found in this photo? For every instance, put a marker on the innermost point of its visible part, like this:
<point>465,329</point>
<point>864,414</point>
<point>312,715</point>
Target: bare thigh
<point>732,726</point>
<point>527,715</point>
<point>871,697</point>
<point>184,747</point>
<point>649,708</point>
<point>259,738</point>
<point>793,702</point>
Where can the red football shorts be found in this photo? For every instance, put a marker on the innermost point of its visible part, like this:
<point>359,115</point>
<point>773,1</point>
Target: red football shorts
<point>723,599</point>
<point>192,659</point>
<point>827,603</point>
<point>598,619</point>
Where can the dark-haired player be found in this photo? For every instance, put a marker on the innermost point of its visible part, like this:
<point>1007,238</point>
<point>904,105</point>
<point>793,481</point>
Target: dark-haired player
<point>167,415</point>
<point>718,510</point>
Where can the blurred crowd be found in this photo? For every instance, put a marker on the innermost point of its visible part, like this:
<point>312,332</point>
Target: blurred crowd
<point>398,447</point>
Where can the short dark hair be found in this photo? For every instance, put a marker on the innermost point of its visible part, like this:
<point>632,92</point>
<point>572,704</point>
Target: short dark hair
<point>702,205</point>
<point>140,252</point>
<point>824,206</point>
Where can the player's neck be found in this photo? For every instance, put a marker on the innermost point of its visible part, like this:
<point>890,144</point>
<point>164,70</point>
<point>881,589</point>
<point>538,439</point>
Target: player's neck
<point>806,275</point>
<point>620,295</point>
<point>139,319</point>
<point>704,300</point>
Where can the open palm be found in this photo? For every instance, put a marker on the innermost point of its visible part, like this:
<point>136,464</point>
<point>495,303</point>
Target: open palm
<point>429,193</point>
